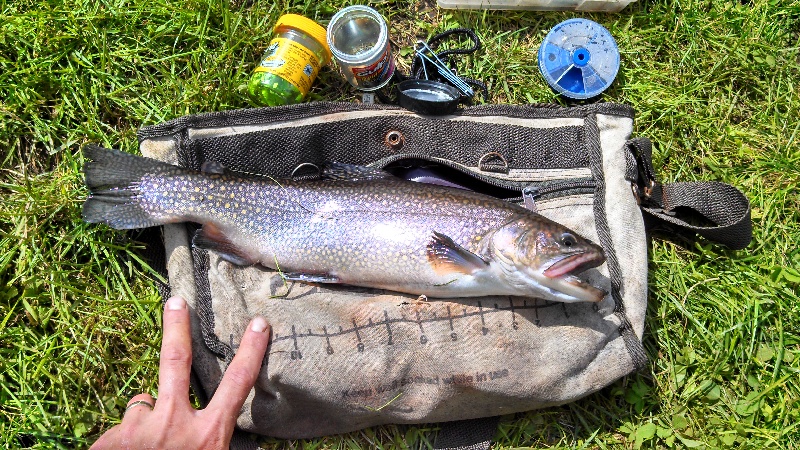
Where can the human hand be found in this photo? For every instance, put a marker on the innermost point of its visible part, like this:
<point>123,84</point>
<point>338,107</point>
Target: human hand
<point>171,422</point>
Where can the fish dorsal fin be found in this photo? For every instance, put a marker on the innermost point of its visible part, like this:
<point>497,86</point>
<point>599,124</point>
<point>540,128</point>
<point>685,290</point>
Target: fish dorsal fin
<point>446,256</point>
<point>210,237</point>
<point>213,167</point>
<point>352,172</point>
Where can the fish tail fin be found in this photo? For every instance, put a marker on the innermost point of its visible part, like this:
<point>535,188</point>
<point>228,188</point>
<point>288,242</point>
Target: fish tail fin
<point>113,179</point>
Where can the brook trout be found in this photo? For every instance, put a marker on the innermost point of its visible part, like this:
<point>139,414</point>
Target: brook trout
<point>355,225</point>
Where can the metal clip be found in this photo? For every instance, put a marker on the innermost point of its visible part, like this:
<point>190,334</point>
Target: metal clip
<point>442,68</point>
<point>297,173</point>
<point>643,194</point>
<point>529,195</point>
<point>648,190</point>
<point>484,164</point>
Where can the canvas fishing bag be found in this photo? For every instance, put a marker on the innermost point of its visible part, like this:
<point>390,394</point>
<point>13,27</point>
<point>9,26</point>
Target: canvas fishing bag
<point>344,358</point>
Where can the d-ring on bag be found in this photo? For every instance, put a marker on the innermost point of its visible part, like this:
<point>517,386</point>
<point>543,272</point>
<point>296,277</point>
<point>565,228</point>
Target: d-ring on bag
<point>344,358</point>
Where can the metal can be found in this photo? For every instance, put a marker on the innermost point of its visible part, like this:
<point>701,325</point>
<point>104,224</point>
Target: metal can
<point>358,38</point>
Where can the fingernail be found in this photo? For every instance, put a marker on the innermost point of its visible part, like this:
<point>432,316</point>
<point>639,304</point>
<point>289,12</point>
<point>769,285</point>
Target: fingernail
<point>259,324</point>
<point>175,303</point>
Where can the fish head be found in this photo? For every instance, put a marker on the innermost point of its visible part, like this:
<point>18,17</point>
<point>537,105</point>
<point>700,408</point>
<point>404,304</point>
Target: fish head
<point>543,253</point>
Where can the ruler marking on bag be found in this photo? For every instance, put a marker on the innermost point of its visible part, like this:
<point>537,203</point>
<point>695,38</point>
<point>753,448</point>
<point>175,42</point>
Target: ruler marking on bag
<point>422,338</point>
<point>453,335</point>
<point>419,321</point>
<point>536,320</point>
<point>450,317</point>
<point>328,348</point>
<point>295,354</point>
<point>388,326</point>
<point>484,330</point>
<point>514,323</point>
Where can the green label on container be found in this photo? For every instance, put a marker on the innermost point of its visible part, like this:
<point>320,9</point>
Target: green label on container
<point>291,61</point>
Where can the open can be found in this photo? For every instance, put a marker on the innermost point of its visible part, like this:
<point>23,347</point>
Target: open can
<point>358,38</point>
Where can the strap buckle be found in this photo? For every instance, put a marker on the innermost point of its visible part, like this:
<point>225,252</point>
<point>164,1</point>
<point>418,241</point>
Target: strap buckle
<point>644,194</point>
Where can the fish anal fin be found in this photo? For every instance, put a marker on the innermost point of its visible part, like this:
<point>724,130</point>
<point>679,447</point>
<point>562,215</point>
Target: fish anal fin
<point>447,257</point>
<point>351,172</point>
<point>210,237</point>
<point>310,277</point>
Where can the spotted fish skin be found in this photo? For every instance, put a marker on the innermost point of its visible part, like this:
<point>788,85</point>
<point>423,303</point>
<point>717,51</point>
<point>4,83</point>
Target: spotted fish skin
<point>357,226</point>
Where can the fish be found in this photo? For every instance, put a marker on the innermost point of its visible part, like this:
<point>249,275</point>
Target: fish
<point>353,225</point>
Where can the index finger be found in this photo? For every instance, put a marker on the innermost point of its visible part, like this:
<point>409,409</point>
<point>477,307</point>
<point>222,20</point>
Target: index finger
<point>242,373</point>
<point>176,354</point>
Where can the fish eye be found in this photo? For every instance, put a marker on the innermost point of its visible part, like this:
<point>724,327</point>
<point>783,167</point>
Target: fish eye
<point>568,240</point>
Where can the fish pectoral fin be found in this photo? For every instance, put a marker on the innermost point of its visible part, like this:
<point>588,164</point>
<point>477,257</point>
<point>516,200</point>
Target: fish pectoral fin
<point>213,167</point>
<point>446,256</point>
<point>211,237</point>
<point>352,172</point>
<point>310,277</point>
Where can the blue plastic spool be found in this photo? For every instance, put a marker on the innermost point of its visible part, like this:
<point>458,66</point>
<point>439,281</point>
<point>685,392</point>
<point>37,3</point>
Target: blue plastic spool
<point>579,58</point>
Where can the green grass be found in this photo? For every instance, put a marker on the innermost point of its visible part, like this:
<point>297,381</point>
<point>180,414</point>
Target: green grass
<point>714,84</point>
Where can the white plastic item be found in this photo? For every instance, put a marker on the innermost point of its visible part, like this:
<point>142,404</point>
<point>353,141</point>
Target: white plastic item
<point>539,5</point>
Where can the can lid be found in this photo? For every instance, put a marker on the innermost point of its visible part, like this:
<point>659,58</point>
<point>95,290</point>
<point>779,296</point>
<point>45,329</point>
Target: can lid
<point>308,26</point>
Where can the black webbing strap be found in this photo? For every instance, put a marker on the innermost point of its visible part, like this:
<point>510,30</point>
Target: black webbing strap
<point>717,211</point>
<point>473,434</point>
<point>242,440</point>
<point>154,254</point>
<point>642,149</point>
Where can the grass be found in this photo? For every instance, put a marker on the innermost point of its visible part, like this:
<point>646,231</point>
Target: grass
<point>714,84</point>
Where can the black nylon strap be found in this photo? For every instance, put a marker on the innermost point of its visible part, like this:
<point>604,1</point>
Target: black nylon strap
<point>204,310</point>
<point>473,434</point>
<point>717,211</point>
<point>241,440</point>
<point>643,150</point>
<point>632,342</point>
<point>155,255</point>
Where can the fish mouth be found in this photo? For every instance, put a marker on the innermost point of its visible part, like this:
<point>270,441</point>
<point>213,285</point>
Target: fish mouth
<point>582,290</point>
<point>574,263</point>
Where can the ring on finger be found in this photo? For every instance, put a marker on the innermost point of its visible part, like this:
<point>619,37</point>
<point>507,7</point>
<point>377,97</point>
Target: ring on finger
<point>139,402</point>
